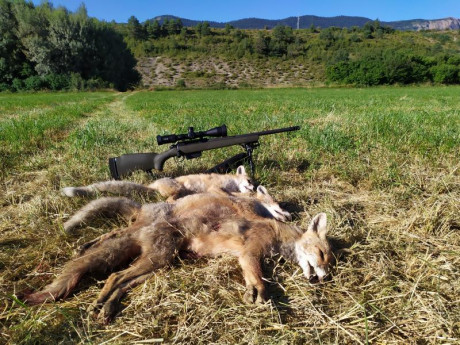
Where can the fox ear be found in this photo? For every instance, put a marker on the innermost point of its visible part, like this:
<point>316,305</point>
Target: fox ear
<point>319,225</point>
<point>240,170</point>
<point>262,190</point>
<point>262,193</point>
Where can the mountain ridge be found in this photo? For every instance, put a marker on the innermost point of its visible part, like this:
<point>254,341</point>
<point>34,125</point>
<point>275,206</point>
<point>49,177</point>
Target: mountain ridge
<point>306,21</point>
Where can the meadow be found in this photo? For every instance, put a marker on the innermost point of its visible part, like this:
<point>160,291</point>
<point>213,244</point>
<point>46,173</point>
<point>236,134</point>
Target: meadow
<point>383,163</point>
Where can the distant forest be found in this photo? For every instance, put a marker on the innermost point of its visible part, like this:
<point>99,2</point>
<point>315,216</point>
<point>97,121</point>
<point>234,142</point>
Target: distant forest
<point>42,47</point>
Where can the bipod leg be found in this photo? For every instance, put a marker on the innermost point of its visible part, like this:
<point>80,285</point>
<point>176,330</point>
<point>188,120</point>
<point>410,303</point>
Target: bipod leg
<point>227,165</point>
<point>249,150</point>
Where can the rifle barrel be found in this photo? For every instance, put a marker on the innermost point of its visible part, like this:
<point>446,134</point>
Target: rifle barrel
<point>278,130</point>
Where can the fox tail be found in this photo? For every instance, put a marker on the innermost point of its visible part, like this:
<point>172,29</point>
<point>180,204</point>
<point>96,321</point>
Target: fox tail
<point>108,206</point>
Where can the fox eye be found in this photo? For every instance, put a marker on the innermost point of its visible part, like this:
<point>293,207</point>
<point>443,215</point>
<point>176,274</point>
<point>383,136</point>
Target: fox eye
<point>321,255</point>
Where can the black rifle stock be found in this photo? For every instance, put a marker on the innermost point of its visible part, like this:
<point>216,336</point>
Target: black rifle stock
<point>127,163</point>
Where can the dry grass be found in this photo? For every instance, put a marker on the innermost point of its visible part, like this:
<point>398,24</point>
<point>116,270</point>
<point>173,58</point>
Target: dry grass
<point>394,223</point>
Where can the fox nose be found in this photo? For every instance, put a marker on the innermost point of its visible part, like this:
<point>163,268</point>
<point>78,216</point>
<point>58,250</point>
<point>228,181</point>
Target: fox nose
<point>324,277</point>
<point>287,215</point>
<point>317,279</point>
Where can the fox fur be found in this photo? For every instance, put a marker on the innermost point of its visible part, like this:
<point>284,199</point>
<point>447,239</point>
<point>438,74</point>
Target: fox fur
<point>172,188</point>
<point>203,224</point>
<point>262,205</point>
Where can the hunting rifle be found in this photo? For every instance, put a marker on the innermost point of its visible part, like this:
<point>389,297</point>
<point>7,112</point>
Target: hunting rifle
<point>191,145</point>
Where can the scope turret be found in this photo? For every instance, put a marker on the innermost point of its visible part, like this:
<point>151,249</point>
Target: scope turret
<point>191,134</point>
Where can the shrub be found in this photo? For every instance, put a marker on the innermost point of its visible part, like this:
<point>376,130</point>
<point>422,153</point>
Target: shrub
<point>180,83</point>
<point>17,85</point>
<point>445,74</point>
<point>95,83</point>
<point>34,83</point>
<point>57,81</point>
<point>76,82</point>
<point>388,68</point>
<point>4,87</point>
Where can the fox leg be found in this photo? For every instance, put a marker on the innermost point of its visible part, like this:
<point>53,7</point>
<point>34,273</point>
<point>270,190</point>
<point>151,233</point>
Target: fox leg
<point>110,307</point>
<point>218,243</point>
<point>159,244</point>
<point>252,272</point>
<point>61,287</point>
<point>103,259</point>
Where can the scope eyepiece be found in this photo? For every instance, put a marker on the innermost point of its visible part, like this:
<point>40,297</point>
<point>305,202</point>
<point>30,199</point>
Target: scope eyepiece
<point>191,134</point>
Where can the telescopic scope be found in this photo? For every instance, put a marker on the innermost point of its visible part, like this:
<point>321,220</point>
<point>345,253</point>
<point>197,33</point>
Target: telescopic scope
<point>172,138</point>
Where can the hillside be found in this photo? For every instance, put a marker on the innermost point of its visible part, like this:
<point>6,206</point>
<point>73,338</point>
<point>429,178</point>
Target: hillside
<point>231,58</point>
<point>306,21</point>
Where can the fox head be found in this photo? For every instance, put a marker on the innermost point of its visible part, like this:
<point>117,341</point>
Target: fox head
<point>242,180</point>
<point>271,205</point>
<point>312,249</point>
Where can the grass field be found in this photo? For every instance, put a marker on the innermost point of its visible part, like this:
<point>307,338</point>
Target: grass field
<point>383,163</point>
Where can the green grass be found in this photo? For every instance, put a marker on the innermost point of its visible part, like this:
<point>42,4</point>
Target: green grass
<point>38,121</point>
<point>383,163</point>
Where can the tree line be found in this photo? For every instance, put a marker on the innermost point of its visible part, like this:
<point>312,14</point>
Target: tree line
<point>46,47</point>
<point>43,47</point>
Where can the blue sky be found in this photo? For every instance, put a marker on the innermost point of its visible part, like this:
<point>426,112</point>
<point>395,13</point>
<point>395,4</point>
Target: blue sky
<point>222,11</point>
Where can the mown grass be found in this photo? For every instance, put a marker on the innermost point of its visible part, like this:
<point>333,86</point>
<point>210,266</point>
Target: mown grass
<point>383,163</point>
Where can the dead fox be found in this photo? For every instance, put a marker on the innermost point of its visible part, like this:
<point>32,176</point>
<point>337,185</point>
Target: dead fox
<point>203,224</point>
<point>171,188</point>
<point>262,205</point>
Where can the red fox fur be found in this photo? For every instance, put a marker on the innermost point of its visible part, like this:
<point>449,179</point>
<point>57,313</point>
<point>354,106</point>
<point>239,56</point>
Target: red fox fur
<point>205,224</point>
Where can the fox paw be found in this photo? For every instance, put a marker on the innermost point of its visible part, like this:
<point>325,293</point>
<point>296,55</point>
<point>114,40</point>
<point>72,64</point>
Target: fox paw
<point>102,313</point>
<point>250,298</point>
<point>261,300</point>
<point>107,313</point>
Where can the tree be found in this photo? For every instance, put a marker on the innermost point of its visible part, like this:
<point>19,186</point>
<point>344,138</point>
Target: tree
<point>153,29</point>
<point>205,29</point>
<point>12,58</point>
<point>58,43</point>
<point>228,28</point>
<point>198,28</point>
<point>33,32</point>
<point>173,26</point>
<point>135,29</point>
<point>261,44</point>
<point>281,37</point>
<point>178,25</point>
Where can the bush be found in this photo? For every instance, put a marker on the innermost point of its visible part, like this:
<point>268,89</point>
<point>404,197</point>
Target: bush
<point>57,81</point>
<point>17,85</point>
<point>96,83</point>
<point>34,83</point>
<point>4,87</point>
<point>388,68</point>
<point>76,82</point>
<point>180,83</point>
<point>445,74</point>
